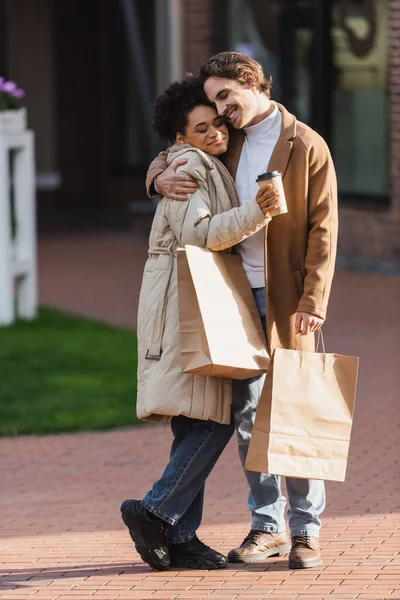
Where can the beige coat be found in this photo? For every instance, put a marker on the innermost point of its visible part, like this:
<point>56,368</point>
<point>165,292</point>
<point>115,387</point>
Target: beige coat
<point>300,245</point>
<point>211,219</point>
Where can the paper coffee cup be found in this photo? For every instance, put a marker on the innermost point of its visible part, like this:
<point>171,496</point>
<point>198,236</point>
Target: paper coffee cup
<point>274,178</point>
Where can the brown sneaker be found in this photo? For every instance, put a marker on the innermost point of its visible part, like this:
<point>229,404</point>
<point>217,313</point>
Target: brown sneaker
<point>258,545</point>
<point>305,552</point>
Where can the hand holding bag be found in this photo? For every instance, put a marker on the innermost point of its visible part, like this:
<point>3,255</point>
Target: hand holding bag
<point>304,417</point>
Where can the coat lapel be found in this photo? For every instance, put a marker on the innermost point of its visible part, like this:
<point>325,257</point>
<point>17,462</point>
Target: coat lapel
<point>281,153</point>
<point>236,142</point>
<point>283,147</point>
<point>280,156</point>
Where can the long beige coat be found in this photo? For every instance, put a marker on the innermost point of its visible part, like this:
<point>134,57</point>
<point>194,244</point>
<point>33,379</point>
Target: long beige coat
<point>211,219</point>
<point>300,245</point>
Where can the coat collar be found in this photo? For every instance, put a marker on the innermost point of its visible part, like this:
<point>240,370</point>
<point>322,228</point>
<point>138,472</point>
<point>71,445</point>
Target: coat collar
<point>179,150</point>
<point>281,153</point>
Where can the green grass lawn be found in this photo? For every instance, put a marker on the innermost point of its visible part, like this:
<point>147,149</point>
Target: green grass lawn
<point>65,373</point>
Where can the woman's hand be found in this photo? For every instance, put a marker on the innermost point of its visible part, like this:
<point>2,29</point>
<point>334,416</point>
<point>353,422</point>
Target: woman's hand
<point>268,199</point>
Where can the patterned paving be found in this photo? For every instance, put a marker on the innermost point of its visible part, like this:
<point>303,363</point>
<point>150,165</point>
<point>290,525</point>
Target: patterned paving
<point>61,535</point>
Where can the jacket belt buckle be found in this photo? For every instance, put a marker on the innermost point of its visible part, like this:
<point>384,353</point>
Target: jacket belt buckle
<point>153,357</point>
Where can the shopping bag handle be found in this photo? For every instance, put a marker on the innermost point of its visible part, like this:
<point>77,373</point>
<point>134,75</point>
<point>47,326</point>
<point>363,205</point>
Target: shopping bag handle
<point>319,341</point>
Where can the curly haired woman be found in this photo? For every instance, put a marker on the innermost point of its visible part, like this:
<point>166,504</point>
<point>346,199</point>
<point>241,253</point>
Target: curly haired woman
<point>163,524</point>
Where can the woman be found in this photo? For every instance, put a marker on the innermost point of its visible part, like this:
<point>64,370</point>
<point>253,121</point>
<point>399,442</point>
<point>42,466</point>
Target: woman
<point>163,524</point>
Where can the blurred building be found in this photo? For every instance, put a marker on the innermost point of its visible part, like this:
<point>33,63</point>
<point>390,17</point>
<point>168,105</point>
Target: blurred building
<point>92,68</point>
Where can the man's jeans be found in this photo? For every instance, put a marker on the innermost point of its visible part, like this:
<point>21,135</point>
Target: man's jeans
<point>266,502</point>
<point>178,496</point>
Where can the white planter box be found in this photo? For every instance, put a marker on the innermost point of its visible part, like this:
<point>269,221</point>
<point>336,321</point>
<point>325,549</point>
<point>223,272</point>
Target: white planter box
<point>17,254</point>
<point>13,121</point>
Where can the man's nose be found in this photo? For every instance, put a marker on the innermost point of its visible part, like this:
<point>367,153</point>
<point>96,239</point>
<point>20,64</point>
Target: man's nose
<point>220,108</point>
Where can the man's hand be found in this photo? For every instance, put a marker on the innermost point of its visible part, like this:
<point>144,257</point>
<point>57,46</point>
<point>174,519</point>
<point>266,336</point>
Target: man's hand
<point>174,185</point>
<point>306,323</point>
<point>267,199</point>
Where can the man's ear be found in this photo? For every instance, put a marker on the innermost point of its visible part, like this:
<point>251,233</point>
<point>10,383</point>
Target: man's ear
<point>249,80</point>
<point>180,139</point>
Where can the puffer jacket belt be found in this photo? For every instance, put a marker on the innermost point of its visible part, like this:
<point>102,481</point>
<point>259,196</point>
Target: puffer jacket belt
<point>154,350</point>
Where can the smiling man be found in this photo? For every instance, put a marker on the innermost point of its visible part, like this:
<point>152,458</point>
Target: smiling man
<point>290,267</point>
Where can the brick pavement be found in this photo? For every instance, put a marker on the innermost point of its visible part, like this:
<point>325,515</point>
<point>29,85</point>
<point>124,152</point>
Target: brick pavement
<point>61,535</point>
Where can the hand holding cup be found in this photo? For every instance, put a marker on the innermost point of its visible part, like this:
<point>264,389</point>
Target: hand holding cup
<point>273,180</point>
<point>268,199</point>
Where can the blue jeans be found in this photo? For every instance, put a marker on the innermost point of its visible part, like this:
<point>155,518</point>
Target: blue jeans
<point>178,496</point>
<point>266,502</point>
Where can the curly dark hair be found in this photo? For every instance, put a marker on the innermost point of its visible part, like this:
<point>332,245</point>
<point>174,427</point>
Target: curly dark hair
<point>172,108</point>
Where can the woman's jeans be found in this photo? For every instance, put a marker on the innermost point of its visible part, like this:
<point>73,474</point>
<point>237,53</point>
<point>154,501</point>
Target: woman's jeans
<point>178,496</point>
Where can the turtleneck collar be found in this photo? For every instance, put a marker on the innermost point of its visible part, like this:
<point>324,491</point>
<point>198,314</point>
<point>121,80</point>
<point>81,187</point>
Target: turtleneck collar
<point>266,127</point>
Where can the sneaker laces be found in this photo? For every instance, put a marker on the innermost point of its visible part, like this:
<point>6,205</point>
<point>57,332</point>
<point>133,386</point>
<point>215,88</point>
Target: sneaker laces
<point>198,542</point>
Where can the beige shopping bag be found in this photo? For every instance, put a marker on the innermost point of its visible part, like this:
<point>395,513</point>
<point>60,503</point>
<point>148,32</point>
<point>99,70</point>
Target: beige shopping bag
<point>304,418</point>
<point>221,331</point>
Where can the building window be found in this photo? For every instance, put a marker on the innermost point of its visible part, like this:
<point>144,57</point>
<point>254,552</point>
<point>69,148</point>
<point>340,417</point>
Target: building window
<point>360,102</point>
<point>134,142</point>
<point>328,61</point>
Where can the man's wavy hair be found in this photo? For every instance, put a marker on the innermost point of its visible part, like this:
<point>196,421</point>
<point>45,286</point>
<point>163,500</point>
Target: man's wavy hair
<point>172,108</point>
<point>241,68</point>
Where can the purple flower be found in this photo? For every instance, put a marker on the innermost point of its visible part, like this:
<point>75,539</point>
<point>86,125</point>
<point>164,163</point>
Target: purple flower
<point>9,86</point>
<point>1,81</point>
<point>18,93</point>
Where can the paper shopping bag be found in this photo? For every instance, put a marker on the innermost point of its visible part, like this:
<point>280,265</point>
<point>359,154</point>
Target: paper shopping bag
<point>220,328</point>
<point>304,418</point>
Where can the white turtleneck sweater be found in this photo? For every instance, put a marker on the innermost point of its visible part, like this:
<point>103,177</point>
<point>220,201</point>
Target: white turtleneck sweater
<point>254,158</point>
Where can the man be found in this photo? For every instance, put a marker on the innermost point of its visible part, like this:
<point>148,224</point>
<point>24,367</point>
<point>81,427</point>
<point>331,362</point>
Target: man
<point>290,267</point>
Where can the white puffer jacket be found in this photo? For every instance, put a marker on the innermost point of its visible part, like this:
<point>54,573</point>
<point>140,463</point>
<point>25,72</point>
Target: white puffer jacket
<point>213,219</point>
